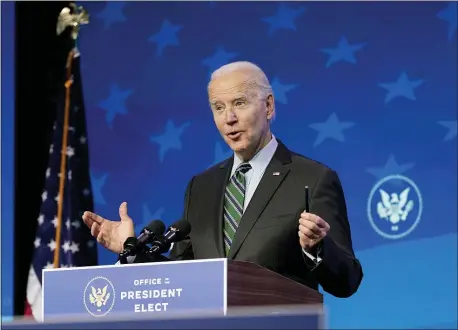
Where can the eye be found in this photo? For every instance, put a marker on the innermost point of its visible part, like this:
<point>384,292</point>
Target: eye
<point>217,107</point>
<point>239,103</point>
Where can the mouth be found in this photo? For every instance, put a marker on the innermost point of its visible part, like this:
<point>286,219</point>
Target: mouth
<point>234,135</point>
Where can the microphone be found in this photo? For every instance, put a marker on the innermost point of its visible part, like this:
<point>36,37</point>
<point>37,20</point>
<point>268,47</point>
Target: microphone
<point>152,231</point>
<point>176,232</point>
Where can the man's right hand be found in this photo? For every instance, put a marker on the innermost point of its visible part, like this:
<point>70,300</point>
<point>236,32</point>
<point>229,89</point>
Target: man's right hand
<point>111,234</point>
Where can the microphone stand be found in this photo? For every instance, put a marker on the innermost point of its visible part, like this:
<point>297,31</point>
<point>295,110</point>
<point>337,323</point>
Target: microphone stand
<point>146,256</point>
<point>155,252</point>
<point>122,259</point>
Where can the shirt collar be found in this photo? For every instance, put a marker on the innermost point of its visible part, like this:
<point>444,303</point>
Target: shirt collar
<point>260,161</point>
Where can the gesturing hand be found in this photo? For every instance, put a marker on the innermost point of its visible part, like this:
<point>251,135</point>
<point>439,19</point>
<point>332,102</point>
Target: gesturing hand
<point>111,234</point>
<point>312,229</point>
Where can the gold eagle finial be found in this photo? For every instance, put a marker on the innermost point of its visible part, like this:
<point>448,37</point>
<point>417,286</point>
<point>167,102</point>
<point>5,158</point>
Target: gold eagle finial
<point>72,17</point>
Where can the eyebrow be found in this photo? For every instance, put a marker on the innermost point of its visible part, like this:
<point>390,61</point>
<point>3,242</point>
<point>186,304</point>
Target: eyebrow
<point>239,98</point>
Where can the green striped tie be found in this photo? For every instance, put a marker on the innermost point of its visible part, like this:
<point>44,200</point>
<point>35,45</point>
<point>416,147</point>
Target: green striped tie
<point>233,204</point>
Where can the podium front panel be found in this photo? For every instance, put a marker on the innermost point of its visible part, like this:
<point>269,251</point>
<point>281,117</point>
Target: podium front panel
<point>152,288</point>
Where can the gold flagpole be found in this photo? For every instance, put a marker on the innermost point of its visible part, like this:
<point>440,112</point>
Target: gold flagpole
<point>72,18</point>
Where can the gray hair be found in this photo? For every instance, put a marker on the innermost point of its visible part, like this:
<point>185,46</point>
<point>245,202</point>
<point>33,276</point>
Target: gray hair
<point>260,77</point>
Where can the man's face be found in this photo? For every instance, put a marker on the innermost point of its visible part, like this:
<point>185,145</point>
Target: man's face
<point>240,114</point>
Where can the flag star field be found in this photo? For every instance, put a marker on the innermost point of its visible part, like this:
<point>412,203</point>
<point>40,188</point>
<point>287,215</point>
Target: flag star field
<point>369,89</point>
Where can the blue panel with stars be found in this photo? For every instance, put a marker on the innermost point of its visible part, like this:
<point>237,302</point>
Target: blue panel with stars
<point>367,88</point>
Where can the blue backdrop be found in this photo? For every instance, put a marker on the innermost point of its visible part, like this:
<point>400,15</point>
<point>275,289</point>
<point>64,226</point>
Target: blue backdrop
<point>7,158</point>
<point>366,88</point>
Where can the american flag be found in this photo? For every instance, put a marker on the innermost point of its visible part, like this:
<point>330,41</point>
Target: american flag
<point>62,239</point>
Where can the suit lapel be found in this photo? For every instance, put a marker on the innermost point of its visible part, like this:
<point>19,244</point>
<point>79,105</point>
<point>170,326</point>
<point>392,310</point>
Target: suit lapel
<point>221,178</point>
<point>274,175</point>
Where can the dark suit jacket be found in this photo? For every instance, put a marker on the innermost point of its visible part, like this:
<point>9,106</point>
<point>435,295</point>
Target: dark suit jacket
<point>268,231</point>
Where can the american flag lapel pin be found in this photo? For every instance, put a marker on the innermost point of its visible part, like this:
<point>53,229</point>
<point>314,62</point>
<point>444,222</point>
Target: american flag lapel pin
<point>276,173</point>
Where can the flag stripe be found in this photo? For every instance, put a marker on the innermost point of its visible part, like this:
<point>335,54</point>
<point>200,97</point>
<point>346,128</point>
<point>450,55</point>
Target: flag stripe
<point>34,303</point>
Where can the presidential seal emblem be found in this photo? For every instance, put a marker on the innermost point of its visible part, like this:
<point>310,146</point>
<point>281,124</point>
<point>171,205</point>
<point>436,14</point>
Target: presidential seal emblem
<point>99,296</point>
<point>394,207</point>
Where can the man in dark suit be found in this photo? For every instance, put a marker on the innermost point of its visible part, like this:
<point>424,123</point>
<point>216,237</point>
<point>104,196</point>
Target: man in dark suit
<point>251,207</point>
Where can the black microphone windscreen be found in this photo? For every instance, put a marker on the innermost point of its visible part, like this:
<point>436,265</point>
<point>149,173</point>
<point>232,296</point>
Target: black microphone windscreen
<point>156,226</point>
<point>183,229</point>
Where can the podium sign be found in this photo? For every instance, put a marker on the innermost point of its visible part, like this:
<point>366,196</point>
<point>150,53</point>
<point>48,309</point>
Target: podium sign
<point>152,288</point>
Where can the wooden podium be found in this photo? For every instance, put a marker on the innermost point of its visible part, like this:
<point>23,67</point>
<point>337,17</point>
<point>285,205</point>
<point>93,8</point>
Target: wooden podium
<point>135,295</point>
<point>249,284</point>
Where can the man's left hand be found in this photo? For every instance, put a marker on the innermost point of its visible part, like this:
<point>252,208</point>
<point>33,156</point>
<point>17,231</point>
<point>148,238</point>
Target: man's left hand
<point>312,229</point>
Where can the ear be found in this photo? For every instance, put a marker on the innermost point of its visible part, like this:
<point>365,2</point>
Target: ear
<point>270,106</point>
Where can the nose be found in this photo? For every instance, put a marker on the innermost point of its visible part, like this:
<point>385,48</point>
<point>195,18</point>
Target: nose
<point>231,118</point>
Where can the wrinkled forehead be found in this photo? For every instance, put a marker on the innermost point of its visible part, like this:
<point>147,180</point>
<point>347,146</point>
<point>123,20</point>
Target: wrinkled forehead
<point>233,85</point>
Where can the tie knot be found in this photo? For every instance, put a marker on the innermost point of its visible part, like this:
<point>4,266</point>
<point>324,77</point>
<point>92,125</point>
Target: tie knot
<point>243,168</point>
